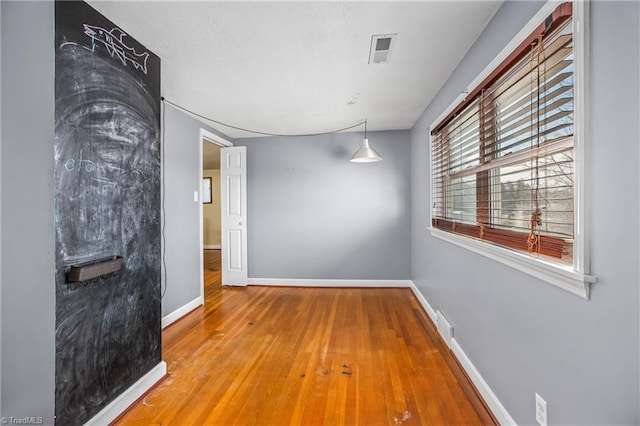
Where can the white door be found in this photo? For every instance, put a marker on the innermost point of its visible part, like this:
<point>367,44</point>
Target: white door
<point>233,191</point>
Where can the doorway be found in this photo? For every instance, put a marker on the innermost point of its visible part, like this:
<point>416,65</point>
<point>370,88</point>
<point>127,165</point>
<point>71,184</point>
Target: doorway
<point>210,210</point>
<point>211,224</point>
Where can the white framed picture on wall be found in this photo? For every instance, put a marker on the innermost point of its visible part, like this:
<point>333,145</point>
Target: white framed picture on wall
<point>206,190</point>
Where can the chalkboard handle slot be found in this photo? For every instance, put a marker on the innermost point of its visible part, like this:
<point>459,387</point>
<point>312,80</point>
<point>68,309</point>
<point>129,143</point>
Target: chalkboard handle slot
<point>98,268</point>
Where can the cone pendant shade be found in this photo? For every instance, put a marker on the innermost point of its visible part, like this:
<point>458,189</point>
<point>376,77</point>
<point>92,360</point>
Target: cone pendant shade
<point>365,154</point>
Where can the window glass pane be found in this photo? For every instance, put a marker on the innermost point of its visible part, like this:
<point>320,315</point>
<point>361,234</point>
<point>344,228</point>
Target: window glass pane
<point>511,197</point>
<point>463,138</point>
<point>556,194</point>
<point>556,110</point>
<point>461,199</point>
<point>515,189</point>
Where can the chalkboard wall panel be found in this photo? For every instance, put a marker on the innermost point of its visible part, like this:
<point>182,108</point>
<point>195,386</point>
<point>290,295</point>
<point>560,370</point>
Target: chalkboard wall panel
<point>107,203</point>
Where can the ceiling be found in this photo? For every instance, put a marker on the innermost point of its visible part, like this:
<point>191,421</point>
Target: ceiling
<point>302,67</point>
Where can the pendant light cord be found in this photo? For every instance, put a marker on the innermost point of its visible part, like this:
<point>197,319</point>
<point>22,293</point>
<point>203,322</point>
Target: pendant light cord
<point>257,132</point>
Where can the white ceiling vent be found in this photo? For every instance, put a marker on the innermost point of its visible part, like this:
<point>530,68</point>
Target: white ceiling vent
<point>381,46</point>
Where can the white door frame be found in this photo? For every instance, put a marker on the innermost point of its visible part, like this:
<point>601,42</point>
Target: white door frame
<point>206,136</point>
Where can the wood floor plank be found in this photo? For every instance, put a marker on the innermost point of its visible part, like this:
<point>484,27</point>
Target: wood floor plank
<point>302,356</point>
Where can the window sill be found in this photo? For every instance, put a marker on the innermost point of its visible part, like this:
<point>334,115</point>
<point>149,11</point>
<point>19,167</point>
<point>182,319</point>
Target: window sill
<point>557,275</point>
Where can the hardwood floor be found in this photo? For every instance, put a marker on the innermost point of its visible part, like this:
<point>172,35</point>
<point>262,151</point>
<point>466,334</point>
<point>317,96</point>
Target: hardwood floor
<point>303,356</point>
<point>212,270</point>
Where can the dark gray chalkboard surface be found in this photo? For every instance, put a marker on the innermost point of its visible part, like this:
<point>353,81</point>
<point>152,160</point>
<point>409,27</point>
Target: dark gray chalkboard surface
<point>107,203</point>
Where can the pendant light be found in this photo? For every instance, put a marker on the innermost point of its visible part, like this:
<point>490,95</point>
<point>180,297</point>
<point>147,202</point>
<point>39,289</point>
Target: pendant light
<point>365,154</point>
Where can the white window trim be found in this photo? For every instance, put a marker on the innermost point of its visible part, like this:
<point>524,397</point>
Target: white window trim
<point>561,276</point>
<point>575,279</point>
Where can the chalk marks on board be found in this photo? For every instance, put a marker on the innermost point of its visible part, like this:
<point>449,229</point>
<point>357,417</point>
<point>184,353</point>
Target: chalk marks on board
<point>112,40</point>
<point>77,164</point>
<point>105,173</point>
<point>114,44</point>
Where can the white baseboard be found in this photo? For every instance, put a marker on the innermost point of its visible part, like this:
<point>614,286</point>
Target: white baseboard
<point>182,311</point>
<point>212,247</point>
<point>129,396</point>
<point>427,307</point>
<point>489,397</point>
<point>487,394</point>
<point>294,282</point>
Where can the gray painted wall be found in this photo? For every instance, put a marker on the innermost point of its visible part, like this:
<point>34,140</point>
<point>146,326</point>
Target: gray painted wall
<point>0,218</point>
<point>312,214</point>
<point>523,335</point>
<point>182,232</point>
<point>28,299</point>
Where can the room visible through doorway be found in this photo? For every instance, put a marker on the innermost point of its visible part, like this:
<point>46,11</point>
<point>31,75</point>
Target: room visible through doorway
<point>211,224</point>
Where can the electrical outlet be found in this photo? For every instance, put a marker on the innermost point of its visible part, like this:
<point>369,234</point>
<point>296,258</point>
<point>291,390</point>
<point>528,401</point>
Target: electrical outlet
<point>541,411</point>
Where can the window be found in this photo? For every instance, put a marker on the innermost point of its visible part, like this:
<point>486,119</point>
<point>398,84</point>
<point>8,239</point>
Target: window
<point>502,160</point>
